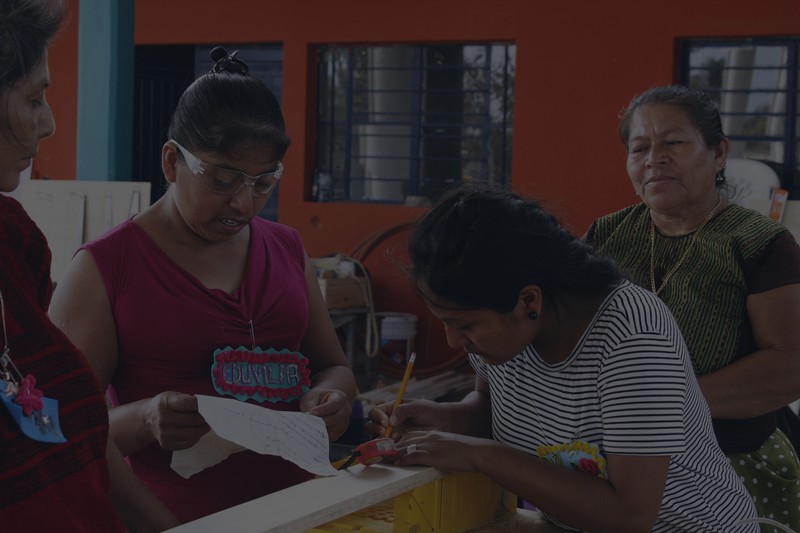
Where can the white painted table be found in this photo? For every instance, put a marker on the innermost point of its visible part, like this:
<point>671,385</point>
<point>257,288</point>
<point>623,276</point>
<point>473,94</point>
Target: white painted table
<point>315,502</point>
<point>319,501</point>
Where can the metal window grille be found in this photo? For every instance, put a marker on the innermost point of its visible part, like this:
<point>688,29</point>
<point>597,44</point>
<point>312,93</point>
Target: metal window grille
<point>404,123</point>
<point>755,84</point>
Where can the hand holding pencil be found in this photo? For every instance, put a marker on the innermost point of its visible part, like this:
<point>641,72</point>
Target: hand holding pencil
<point>382,448</point>
<point>401,391</point>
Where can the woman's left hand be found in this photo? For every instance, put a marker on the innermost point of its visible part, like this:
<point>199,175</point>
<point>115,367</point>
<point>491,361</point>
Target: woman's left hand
<point>332,406</point>
<point>448,452</point>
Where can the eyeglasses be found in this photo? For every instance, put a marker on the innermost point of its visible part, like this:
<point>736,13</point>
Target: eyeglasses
<point>229,182</point>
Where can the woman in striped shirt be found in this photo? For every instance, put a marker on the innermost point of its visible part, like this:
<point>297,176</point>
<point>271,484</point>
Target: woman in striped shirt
<point>585,402</point>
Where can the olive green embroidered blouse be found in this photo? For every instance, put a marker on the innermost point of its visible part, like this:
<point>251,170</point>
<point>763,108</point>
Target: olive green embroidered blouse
<point>708,292</point>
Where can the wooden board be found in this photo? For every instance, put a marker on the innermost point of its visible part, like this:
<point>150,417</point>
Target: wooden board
<point>315,502</point>
<point>343,292</point>
<point>71,212</point>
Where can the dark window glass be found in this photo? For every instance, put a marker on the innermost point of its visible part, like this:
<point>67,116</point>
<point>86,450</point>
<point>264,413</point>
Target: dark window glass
<point>755,84</point>
<point>403,123</point>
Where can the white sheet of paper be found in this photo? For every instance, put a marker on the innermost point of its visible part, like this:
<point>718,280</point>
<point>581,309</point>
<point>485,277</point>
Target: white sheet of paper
<point>298,437</point>
<point>209,450</point>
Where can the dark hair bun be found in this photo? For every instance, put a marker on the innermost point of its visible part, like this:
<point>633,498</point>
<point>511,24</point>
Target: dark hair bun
<point>217,53</point>
<point>225,62</point>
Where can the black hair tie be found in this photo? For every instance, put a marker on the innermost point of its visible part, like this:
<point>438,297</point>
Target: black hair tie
<point>224,62</point>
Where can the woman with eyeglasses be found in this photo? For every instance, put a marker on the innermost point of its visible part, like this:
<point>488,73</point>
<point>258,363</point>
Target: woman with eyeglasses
<point>199,295</point>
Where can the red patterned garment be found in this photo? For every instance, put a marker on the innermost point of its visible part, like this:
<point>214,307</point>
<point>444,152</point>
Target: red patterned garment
<point>48,487</point>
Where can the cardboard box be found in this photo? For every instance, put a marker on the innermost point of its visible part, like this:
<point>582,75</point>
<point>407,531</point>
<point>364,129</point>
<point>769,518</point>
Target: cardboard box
<point>343,292</point>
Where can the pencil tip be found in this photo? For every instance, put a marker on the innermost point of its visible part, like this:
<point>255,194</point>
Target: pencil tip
<point>413,357</point>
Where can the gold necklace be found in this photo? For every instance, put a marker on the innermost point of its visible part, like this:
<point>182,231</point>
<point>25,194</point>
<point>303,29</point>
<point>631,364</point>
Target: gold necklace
<point>656,290</point>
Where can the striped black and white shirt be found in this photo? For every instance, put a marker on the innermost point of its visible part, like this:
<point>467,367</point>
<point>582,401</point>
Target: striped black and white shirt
<point>626,389</point>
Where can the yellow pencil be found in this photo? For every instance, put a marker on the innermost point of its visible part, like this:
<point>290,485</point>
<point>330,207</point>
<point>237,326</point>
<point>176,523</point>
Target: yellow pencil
<point>401,391</point>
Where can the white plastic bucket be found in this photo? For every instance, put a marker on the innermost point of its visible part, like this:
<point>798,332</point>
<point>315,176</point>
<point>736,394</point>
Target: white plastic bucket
<point>398,331</point>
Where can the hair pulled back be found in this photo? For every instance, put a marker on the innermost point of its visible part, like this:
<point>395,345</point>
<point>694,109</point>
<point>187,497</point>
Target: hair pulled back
<point>701,110</point>
<point>228,109</point>
<point>480,245</point>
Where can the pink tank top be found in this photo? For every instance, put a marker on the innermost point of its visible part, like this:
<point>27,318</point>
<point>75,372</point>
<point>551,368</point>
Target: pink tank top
<point>173,332</point>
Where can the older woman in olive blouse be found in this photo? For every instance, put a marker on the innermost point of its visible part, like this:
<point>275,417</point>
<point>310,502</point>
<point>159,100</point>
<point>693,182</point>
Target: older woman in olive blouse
<point>730,275</point>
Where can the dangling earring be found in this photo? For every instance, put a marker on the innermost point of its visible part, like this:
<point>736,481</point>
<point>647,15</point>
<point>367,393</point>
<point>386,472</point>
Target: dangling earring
<point>533,315</point>
<point>720,177</point>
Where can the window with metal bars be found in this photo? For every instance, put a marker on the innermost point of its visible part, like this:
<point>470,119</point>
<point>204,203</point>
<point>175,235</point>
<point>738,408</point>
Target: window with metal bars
<point>404,123</point>
<point>755,84</point>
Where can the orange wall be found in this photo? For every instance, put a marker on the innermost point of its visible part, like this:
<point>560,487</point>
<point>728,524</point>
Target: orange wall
<point>57,158</point>
<point>578,63</point>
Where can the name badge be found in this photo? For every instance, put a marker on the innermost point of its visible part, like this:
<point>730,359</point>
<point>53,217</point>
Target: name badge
<point>260,375</point>
<point>36,415</point>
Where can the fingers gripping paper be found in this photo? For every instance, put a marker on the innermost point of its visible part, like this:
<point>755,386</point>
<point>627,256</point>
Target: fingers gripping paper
<point>298,437</point>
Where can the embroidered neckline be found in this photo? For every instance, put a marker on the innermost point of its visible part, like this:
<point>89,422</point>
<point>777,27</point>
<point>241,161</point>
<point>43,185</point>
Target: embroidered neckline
<point>656,290</point>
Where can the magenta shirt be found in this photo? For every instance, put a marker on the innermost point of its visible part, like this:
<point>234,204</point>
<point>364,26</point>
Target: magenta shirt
<point>168,327</point>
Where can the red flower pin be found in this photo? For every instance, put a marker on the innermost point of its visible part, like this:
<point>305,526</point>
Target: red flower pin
<point>29,397</point>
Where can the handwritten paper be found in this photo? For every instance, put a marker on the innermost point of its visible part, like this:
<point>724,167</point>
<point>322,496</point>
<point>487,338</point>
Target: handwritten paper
<point>298,437</point>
